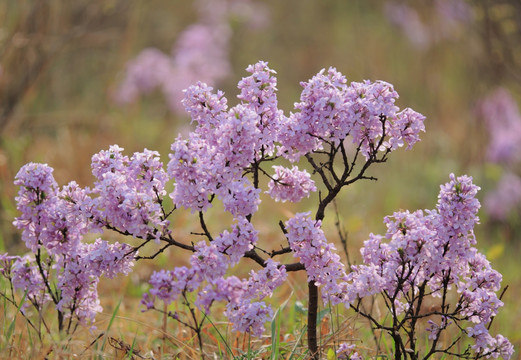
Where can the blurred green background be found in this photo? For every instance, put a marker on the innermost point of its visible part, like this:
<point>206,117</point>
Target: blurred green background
<point>61,61</point>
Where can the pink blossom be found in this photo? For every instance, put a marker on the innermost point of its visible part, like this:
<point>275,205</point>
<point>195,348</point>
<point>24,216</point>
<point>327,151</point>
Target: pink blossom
<point>290,184</point>
<point>322,263</point>
<point>503,120</point>
<point>505,198</point>
<point>235,243</point>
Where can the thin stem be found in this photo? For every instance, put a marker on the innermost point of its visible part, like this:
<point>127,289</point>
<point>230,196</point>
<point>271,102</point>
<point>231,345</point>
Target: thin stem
<point>196,326</point>
<point>153,255</point>
<point>320,171</point>
<point>25,317</point>
<point>204,227</point>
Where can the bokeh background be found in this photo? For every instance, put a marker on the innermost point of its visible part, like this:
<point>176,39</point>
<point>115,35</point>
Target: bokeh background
<point>65,69</point>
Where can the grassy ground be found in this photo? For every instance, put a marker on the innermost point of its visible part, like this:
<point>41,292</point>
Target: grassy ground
<point>66,115</point>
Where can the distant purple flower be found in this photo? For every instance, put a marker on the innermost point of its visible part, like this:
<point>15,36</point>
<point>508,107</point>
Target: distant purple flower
<point>506,197</point>
<point>503,120</point>
<point>452,16</point>
<point>446,20</point>
<point>201,53</point>
<point>143,74</point>
<point>408,20</point>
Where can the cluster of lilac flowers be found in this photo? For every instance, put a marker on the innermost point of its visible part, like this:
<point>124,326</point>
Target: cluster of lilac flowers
<point>127,192</point>
<point>63,268</point>
<point>330,109</point>
<point>323,265</point>
<point>432,252</point>
<point>445,20</point>
<point>503,122</point>
<point>346,351</point>
<point>201,53</point>
<point>290,184</point>
<point>245,307</point>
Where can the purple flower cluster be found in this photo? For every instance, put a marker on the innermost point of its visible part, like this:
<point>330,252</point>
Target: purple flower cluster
<point>37,189</point>
<point>247,312</point>
<point>81,272</point>
<point>53,224</point>
<point>330,110</point>
<point>503,121</point>
<point>211,161</point>
<point>290,184</point>
<point>434,249</point>
<point>346,351</point>
<point>167,285</point>
<point>127,192</point>
<point>447,20</point>
<point>259,92</point>
<point>201,53</point>
<point>25,276</point>
<point>323,265</point>
<point>242,238</point>
<point>505,198</point>
<point>492,346</point>
<point>245,308</point>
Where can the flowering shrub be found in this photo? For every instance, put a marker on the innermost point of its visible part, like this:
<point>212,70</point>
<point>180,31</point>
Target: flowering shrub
<point>428,255</point>
<point>340,129</point>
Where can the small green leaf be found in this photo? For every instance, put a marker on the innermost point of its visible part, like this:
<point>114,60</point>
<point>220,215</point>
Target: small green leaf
<point>331,354</point>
